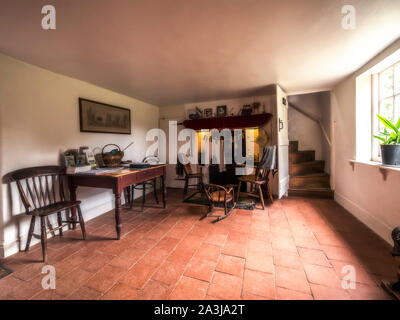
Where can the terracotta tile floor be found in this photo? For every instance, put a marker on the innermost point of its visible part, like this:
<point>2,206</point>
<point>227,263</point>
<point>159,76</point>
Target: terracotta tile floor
<point>294,249</point>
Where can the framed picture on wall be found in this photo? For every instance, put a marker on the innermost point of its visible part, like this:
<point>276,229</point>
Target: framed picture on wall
<point>103,118</point>
<point>208,113</point>
<point>221,111</point>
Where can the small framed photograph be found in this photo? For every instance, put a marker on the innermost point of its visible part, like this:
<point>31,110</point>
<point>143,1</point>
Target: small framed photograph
<point>208,113</point>
<point>90,159</point>
<point>192,114</point>
<point>81,160</point>
<point>69,160</point>
<point>221,111</point>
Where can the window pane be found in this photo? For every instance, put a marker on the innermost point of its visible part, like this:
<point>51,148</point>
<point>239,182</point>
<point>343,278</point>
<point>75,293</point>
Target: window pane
<point>397,79</point>
<point>386,110</point>
<point>396,108</point>
<point>386,83</point>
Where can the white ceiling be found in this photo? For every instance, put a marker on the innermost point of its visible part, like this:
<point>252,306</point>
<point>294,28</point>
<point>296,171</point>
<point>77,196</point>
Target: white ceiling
<point>177,51</point>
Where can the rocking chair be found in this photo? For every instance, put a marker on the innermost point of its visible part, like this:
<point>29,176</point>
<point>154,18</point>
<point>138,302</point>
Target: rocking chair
<point>218,194</point>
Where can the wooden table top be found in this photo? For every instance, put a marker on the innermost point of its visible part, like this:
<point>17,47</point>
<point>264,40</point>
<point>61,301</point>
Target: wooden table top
<point>117,172</point>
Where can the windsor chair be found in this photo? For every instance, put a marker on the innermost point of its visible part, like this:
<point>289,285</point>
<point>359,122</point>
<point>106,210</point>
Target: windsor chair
<point>190,175</point>
<point>42,193</point>
<point>150,183</point>
<point>257,181</point>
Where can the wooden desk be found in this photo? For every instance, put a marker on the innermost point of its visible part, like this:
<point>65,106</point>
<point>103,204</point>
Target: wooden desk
<point>117,182</point>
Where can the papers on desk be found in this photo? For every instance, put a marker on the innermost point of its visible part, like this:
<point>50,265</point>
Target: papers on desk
<point>115,172</point>
<point>108,171</point>
<point>104,171</point>
<point>77,169</point>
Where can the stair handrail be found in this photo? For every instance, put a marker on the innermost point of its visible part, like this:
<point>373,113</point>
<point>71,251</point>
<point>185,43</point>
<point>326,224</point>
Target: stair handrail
<point>314,119</point>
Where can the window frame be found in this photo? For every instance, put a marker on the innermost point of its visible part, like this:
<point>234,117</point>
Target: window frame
<point>376,103</point>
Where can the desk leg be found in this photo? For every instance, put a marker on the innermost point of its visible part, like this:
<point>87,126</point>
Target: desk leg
<point>164,189</point>
<point>118,214</point>
<point>72,196</point>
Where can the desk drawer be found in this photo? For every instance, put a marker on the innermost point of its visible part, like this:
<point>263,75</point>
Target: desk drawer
<point>149,173</point>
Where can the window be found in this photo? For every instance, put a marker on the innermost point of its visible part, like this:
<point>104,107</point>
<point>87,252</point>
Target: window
<point>386,101</point>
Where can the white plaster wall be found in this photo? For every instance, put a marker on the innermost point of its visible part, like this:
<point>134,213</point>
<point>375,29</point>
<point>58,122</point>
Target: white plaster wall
<point>302,128</point>
<point>363,191</point>
<point>39,119</point>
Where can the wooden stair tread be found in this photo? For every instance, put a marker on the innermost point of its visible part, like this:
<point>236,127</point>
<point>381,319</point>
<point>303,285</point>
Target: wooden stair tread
<point>307,163</point>
<point>309,189</point>
<point>306,167</point>
<point>315,174</point>
<point>302,151</point>
<point>312,192</point>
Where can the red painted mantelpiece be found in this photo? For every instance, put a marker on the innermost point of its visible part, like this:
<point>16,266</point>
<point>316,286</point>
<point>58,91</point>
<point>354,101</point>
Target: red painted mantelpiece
<point>233,122</point>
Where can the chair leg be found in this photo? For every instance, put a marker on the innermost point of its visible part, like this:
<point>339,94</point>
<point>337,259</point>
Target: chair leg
<point>43,237</point>
<point>261,197</point>
<point>238,192</point>
<point>210,210</point>
<point>227,214</point>
<point>81,222</point>
<point>155,190</point>
<point>59,219</point>
<point>51,229</point>
<point>143,196</point>
<point>30,233</point>
<point>200,184</point>
<point>132,196</point>
<point>185,189</point>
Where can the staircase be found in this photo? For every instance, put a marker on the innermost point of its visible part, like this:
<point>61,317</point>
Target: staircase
<point>307,176</point>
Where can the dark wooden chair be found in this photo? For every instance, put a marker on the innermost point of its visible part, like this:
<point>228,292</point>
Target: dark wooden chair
<point>190,175</point>
<point>42,192</point>
<point>257,181</point>
<point>142,186</point>
<point>217,194</point>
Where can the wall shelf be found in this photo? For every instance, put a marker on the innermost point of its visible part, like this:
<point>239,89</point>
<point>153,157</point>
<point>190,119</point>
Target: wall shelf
<point>233,122</point>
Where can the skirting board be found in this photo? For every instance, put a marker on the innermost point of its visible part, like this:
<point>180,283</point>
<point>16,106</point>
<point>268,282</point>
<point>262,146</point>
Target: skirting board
<point>381,229</point>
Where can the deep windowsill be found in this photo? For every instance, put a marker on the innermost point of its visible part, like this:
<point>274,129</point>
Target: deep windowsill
<point>374,164</point>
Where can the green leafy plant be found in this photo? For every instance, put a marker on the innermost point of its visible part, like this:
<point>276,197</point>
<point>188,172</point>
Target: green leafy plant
<point>392,136</point>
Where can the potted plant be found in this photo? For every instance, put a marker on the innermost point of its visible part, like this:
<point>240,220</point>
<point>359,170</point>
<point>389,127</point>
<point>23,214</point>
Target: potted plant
<point>390,147</point>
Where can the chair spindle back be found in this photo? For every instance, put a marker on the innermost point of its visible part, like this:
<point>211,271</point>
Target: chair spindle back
<point>39,186</point>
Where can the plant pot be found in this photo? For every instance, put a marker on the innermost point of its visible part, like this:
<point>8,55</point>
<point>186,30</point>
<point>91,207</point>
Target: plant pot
<point>390,154</point>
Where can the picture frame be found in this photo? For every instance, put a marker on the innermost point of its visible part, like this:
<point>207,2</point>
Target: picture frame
<point>90,159</point>
<point>69,160</point>
<point>208,113</point>
<point>80,160</point>
<point>100,117</point>
<point>221,111</point>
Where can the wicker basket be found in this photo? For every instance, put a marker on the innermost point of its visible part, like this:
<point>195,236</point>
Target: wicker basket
<point>112,161</point>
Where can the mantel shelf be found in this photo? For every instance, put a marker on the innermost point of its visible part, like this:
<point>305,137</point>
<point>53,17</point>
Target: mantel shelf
<point>233,122</point>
